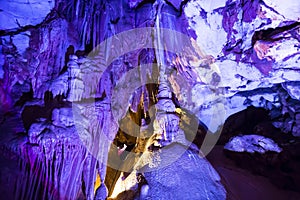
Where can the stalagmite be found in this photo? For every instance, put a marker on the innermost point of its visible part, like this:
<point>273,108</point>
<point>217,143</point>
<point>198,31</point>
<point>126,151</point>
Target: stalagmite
<point>84,83</point>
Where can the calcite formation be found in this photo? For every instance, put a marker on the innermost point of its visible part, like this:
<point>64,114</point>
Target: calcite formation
<point>76,76</point>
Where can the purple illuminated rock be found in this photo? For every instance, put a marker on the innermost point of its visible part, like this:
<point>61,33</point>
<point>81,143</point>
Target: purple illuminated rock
<point>293,88</point>
<point>134,3</point>
<point>176,3</point>
<point>251,144</point>
<point>236,54</point>
<point>63,117</point>
<point>180,179</point>
<point>17,14</point>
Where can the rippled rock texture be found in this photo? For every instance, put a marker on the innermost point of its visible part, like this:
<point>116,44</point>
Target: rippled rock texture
<point>82,80</point>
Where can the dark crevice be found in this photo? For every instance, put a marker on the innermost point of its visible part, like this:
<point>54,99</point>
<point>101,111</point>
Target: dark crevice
<point>271,33</point>
<point>70,51</point>
<point>174,8</point>
<point>178,9</point>
<point>183,3</point>
<point>257,91</point>
<point>26,96</point>
<point>53,15</point>
<point>144,3</point>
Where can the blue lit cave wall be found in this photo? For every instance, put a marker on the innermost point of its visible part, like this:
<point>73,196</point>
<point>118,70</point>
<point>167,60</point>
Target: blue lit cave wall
<point>149,99</point>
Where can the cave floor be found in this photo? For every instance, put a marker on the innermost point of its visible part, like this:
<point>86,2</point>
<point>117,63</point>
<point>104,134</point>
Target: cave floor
<point>243,184</point>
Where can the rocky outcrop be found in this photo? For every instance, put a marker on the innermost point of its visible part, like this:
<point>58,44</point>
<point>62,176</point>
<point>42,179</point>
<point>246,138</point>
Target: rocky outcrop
<point>72,70</point>
<point>251,144</point>
<point>179,180</point>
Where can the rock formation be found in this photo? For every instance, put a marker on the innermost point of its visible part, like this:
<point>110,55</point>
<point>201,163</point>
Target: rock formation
<point>88,85</point>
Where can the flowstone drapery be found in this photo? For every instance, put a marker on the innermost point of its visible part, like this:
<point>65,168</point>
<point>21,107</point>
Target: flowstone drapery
<point>62,104</point>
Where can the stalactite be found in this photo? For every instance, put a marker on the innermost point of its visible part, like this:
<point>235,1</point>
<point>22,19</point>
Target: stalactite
<point>54,168</point>
<point>89,176</point>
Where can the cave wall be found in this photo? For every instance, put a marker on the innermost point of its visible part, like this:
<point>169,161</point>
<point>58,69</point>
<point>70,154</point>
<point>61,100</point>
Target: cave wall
<point>253,44</point>
<point>247,54</point>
